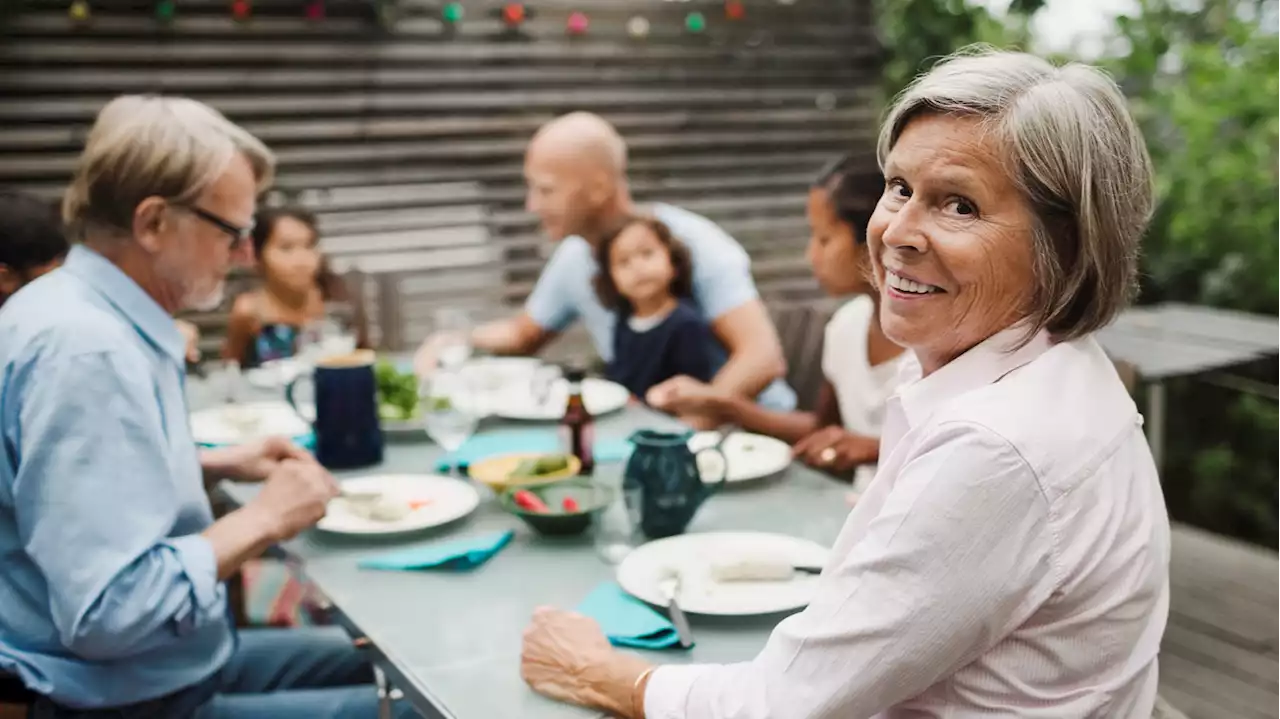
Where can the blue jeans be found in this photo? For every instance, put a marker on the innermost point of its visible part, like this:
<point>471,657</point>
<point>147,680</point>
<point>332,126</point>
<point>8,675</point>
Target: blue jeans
<point>273,674</point>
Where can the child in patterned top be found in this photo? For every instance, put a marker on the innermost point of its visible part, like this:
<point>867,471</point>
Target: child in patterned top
<point>265,324</point>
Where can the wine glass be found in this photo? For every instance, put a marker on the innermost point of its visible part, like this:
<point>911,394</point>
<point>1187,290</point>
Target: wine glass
<point>332,334</point>
<point>449,409</point>
<point>453,333</point>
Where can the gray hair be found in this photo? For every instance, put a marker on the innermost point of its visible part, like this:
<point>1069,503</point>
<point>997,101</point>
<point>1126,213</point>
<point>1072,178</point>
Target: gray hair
<point>1079,160</point>
<point>143,146</point>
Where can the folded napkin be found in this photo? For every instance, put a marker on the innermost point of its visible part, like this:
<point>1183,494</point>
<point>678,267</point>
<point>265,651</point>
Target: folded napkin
<point>627,621</point>
<point>462,554</point>
<point>491,444</point>
<point>306,441</point>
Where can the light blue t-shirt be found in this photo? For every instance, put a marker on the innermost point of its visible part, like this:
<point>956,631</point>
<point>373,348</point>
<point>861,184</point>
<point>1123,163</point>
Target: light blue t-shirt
<point>721,282</point>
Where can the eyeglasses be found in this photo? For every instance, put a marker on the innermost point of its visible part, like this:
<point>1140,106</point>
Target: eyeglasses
<point>238,234</point>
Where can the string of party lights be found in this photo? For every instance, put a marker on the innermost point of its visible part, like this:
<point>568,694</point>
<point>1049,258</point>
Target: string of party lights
<point>513,15</point>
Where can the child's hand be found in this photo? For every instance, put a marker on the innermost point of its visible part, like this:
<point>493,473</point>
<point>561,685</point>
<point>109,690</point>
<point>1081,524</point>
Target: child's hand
<point>835,450</point>
<point>683,395</point>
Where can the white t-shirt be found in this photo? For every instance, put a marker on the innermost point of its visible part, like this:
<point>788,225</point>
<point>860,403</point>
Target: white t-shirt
<point>861,390</point>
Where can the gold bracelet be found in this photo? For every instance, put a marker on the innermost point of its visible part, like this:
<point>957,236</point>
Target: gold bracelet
<point>637,694</point>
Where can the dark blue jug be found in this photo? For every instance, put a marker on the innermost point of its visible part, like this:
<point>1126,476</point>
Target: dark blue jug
<point>665,471</point>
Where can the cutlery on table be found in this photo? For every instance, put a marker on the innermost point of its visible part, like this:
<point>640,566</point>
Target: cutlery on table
<point>669,587</point>
<point>760,570</point>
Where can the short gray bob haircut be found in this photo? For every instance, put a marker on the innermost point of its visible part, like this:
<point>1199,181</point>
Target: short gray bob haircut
<point>1077,156</point>
<point>146,145</point>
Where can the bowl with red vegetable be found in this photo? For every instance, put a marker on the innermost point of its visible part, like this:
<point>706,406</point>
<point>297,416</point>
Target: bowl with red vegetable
<point>561,508</point>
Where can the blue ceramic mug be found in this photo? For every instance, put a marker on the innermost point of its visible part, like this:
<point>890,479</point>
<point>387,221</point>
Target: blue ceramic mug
<point>347,428</point>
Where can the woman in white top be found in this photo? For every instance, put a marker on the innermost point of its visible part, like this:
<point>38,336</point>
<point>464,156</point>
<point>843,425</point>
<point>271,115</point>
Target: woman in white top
<point>1011,557</point>
<point>859,363</point>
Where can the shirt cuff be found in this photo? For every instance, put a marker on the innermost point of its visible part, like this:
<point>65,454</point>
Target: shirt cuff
<point>200,565</point>
<point>667,694</point>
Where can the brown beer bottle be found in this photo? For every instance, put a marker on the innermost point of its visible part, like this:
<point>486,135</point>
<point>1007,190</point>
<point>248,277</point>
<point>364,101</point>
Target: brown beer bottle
<point>577,422</point>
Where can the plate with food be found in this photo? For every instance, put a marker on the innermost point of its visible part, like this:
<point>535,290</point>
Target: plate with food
<point>725,573</point>
<point>497,374</point>
<point>397,503</point>
<point>242,422</point>
<point>750,456</point>
<point>524,470</point>
<point>601,397</point>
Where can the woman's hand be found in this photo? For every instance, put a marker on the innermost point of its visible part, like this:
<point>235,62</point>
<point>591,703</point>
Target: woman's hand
<point>833,449</point>
<point>567,657</point>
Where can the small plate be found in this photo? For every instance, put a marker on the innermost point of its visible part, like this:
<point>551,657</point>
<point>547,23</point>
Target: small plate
<point>601,397</point>
<point>750,456</point>
<point>446,500</point>
<point>693,555</point>
<point>244,422</point>
<point>274,374</point>
<point>495,472</point>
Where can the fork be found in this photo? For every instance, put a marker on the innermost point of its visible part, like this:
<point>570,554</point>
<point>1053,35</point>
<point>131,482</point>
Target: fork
<point>669,586</point>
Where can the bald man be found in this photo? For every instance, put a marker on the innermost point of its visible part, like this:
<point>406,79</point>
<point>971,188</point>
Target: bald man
<point>575,169</point>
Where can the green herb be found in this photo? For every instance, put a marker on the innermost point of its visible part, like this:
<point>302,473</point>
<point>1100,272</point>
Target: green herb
<point>540,466</point>
<point>397,392</point>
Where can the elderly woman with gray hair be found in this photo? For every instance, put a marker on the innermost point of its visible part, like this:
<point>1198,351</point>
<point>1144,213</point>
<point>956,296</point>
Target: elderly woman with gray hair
<point>1011,556</point>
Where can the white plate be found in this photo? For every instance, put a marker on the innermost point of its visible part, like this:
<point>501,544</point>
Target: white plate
<point>601,397</point>
<point>693,555</point>
<point>451,499</point>
<point>750,456</point>
<point>497,373</point>
<point>245,422</point>
<point>274,374</point>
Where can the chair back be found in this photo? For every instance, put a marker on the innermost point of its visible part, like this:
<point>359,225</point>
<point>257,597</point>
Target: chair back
<point>802,332</point>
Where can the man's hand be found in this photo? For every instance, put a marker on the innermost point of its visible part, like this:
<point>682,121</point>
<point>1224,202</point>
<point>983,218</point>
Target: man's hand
<point>833,449</point>
<point>254,461</point>
<point>293,498</point>
<point>427,359</point>
<point>684,396</point>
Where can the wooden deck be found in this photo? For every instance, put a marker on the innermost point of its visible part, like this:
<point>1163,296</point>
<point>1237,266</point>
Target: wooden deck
<point>1218,658</point>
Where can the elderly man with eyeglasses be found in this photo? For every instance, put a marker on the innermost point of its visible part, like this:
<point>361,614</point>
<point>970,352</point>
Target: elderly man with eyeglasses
<point>111,564</point>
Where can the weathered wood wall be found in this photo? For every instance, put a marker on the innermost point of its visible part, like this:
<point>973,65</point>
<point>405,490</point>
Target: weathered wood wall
<point>409,138</point>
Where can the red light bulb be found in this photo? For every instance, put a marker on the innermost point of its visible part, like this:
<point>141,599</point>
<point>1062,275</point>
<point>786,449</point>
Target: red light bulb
<point>315,10</point>
<point>513,13</point>
<point>735,10</point>
<point>578,23</point>
<point>240,9</point>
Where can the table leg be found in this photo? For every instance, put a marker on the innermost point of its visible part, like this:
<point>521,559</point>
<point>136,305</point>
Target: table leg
<point>1155,420</point>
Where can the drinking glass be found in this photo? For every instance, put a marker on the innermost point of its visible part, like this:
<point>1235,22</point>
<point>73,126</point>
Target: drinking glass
<point>449,409</point>
<point>331,334</point>
<point>453,333</point>
<point>616,528</point>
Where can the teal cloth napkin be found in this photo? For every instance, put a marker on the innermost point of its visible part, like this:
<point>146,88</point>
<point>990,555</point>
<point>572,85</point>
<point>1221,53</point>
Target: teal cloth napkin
<point>491,444</point>
<point>306,441</point>
<point>462,554</point>
<point>627,621</point>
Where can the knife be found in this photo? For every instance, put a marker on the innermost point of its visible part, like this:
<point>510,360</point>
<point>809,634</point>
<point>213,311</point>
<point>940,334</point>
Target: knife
<point>670,587</point>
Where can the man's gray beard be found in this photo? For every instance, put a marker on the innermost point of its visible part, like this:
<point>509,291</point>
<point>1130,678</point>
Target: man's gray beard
<point>209,302</point>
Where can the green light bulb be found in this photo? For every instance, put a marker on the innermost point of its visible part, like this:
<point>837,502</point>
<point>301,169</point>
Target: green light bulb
<point>453,12</point>
<point>695,22</point>
<point>165,10</point>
